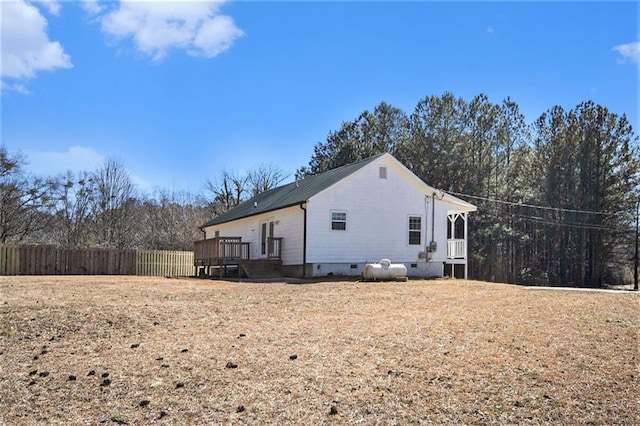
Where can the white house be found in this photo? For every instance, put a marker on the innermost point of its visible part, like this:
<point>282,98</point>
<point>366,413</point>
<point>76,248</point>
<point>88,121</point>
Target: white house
<point>335,222</point>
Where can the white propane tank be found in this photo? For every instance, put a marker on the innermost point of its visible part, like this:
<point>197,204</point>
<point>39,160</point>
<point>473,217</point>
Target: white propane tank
<point>385,270</point>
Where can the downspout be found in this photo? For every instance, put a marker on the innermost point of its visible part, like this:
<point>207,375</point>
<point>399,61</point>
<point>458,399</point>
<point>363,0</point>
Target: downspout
<point>304,240</point>
<point>433,217</point>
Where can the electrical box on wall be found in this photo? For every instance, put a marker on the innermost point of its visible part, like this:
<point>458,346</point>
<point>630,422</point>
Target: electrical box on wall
<point>433,247</point>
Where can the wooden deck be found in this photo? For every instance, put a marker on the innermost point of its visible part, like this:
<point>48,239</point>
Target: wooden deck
<point>224,253</point>
<point>220,251</point>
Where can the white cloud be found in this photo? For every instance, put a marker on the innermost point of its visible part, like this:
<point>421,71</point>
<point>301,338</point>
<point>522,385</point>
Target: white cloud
<point>141,183</point>
<point>14,87</point>
<point>215,36</point>
<point>93,7</point>
<point>629,52</point>
<point>76,159</point>
<point>26,48</point>
<point>52,6</point>
<point>157,27</point>
<point>489,30</point>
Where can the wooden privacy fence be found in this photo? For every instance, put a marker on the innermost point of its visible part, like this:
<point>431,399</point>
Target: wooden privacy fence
<point>165,263</point>
<point>51,260</point>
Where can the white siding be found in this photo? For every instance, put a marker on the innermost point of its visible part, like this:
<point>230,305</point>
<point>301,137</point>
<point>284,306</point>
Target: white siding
<point>378,213</point>
<point>378,205</point>
<point>291,230</point>
<point>288,226</point>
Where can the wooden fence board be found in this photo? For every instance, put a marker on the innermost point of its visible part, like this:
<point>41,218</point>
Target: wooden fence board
<point>51,260</point>
<point>164,263</point>
<point>9,259</point>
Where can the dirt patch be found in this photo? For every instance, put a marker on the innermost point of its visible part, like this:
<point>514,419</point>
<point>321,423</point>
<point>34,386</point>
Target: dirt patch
<point>132,350</point>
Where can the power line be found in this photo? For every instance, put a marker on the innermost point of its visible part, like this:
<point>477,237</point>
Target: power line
<point>578,225</point>
<point>544,221</point>
<point>511,203</point>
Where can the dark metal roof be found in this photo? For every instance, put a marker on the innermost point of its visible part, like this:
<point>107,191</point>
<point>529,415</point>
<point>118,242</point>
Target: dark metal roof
<point>290,194</point>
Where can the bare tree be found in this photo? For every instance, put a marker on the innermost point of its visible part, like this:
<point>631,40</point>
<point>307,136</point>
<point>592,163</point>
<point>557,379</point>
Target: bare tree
<point>26,202</point>
<point>113,205</point>
<point>264,177</point>
<point>228,191</point>
<point>75,198</point>
<point>173,219</point>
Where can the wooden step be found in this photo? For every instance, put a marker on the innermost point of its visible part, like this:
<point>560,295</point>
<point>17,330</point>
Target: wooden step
<point>261,268</point>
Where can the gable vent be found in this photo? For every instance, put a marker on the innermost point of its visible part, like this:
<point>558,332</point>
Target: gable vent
<point>383,172</point>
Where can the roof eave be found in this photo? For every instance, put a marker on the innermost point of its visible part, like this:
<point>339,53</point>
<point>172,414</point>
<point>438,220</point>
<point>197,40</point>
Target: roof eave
<point>214,223</point>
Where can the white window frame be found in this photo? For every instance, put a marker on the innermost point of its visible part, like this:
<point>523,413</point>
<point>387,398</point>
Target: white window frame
<point>338,220</point>
<point>410,230</point>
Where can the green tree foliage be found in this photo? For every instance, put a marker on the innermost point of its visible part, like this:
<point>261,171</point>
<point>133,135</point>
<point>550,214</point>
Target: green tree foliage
<point>435,132</point>
<point>581,165</point>
<point>383,130</point>
<point>556,198</point>
<point>588,163</point>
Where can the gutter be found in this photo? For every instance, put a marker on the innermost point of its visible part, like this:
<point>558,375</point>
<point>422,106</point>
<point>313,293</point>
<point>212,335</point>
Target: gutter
<point>254,213</point>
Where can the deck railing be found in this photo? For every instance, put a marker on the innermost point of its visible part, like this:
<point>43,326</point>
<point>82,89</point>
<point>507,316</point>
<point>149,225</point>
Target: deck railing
<point>274,248</point>
<point>456,249</point>
<point>221,250</point>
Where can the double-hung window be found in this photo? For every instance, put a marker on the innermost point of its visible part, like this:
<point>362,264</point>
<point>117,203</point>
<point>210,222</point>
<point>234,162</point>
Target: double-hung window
<point>339,221</point>
<point>415,230</point>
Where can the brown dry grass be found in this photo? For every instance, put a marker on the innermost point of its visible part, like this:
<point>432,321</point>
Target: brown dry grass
<point>420,352</point>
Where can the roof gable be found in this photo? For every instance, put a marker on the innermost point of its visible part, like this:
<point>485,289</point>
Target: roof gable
<point>290,194</point>
<point>430,190</point>
<point>298,192</point>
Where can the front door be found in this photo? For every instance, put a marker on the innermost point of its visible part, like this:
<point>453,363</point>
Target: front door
<point>266,233</point>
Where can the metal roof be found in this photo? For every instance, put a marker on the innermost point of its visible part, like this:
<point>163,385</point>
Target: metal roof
<point>290,194</point>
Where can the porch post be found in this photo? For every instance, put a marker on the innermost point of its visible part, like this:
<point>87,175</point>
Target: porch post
<point>452,225</point>
<point>466,247</point>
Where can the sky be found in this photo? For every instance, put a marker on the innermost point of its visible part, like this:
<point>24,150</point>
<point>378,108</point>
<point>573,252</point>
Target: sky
<point>180,91</point>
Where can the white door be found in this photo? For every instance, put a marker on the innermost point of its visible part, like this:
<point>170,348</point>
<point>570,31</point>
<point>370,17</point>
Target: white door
<point>266,233</point>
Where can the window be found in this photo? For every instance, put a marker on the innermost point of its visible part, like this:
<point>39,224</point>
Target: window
<point>383,172</point>
<point>415,230</point>
<point>339,221</point>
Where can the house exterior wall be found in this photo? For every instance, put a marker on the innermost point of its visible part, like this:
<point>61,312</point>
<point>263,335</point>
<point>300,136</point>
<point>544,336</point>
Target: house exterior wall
<point>378,208</point>
<point>377,226</point>
<point>288,225</point>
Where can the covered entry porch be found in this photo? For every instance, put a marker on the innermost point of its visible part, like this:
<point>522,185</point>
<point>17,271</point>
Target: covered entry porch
<point>455,265</point>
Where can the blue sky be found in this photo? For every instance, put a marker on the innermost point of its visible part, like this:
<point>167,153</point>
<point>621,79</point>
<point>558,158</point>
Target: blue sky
<point>180,91</point>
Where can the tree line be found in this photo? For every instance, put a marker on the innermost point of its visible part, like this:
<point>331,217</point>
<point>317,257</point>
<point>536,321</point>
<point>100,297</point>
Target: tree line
<point>556,197</point>
<point>103,208</point>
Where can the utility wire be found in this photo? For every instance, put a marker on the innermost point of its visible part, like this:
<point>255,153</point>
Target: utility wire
<point>543,221</point>
<point>511,203</point>
<point>578,225</point>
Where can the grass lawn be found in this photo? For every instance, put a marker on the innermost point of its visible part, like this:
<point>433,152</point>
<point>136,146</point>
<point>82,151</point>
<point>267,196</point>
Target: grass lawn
<point>188,351</point>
